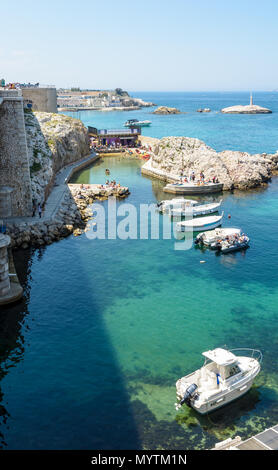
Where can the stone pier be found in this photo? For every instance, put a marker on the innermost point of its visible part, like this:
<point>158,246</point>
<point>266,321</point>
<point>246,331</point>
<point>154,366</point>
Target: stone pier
<point>9,291</point>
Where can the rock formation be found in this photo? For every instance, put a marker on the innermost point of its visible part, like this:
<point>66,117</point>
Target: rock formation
<point>166,110</point>
<point>248,109</point>
<point>175,155</point>
<point>53,141</point>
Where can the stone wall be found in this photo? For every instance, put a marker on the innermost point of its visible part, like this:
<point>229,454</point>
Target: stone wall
<point>43,99</point>
<point>14,162</point>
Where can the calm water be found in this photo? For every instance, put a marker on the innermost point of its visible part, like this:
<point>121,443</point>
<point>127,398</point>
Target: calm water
<point>90,358</point>
<point>248,133</point>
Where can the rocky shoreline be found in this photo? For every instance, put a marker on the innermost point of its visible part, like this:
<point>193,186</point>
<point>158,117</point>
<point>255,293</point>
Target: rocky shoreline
<point>71,218</point>
<point>176,156</point>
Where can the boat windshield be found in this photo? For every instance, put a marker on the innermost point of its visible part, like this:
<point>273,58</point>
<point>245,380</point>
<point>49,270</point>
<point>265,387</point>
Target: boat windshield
<point>232,370</point>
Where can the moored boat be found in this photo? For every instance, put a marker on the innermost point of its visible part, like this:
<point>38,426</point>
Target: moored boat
<point>223,378</point>
<point>193,188</point>
<point>195,211</point>
<point>209,238</point>
<point>200,224</point>
<point>137,123</point>
<point>175,203</point>
<point>234,243</point>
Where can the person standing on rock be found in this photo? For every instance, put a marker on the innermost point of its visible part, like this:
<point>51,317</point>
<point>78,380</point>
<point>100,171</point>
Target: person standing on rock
<point>40,211</point>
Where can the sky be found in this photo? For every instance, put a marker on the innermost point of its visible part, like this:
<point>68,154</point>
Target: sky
<point>141,45</point>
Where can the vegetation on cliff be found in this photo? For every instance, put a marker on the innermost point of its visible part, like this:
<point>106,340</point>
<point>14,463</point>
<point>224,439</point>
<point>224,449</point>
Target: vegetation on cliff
<point>54,141</point>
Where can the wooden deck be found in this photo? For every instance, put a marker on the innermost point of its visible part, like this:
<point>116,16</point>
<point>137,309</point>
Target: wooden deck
<point>266,440</point>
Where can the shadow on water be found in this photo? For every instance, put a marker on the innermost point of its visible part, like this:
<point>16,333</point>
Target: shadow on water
<point>12,319</point>
<point>101,418</point>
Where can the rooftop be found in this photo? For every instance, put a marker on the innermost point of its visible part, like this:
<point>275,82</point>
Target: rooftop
<point>220,356</point>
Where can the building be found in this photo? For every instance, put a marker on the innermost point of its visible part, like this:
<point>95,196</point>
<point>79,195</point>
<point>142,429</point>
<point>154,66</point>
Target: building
<point>43,98</point>
<point>115,138</point>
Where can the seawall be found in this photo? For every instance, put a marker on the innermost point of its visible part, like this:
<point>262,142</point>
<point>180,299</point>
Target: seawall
<point>14,161</point>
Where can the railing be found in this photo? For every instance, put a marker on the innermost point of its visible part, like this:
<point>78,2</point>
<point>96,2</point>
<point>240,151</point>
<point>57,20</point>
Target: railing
<point>256,353</point>
<point>118,131</point>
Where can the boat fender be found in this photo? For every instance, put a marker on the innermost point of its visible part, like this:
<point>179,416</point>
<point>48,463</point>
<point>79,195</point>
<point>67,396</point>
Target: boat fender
<point>189,393</point>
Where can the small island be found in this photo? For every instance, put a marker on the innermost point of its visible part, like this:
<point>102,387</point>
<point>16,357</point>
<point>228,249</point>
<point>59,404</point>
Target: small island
<point>166,110</point>
<point>246,109</point>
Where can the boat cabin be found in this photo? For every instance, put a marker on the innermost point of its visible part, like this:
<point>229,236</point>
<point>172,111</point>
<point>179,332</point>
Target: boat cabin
<point>223,363</point>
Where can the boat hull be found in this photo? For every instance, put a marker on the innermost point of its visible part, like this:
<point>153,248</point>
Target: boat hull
<point>193,189</point>
<point>200,228</point>
<point>230,249</point>
<point>195,211</point>
<point>227,398</point>
<point>139,124</point>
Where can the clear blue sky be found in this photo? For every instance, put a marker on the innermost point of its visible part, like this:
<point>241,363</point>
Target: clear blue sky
<point>143,45</point>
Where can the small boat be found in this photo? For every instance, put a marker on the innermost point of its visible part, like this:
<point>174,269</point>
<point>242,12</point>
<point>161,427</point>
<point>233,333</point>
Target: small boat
<point>233,244</point>
<point>203,209</point>
<point>178,203</point>
<point>201,223</point>
<point>223,378</point>
<point>210,238</point>
<point>193,188</point>
<point>136,123</point>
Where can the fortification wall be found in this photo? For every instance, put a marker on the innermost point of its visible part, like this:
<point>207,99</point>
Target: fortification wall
<point>14,162</point>
<point>44,99</point>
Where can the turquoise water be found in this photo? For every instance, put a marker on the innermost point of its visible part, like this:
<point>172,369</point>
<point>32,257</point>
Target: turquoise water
<point>247,133</point>
<point>90,358</point>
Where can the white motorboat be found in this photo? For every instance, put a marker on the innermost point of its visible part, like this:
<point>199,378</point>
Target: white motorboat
<point>137,123</point>
<point>203,209</point>
<point>199,224</point>
<point>209,238</point>
<point>223,378</point>
<point>176,203</point>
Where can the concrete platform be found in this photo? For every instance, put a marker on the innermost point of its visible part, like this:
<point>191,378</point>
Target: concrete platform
<point>266,440</point>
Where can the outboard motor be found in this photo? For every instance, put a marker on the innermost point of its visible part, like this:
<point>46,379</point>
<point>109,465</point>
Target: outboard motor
<point>189,394</point>
<point>199,239</point>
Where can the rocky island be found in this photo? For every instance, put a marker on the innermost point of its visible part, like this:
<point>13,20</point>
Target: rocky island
<point>166,110</point>
<point>175,155</point>
<point>246,109</point>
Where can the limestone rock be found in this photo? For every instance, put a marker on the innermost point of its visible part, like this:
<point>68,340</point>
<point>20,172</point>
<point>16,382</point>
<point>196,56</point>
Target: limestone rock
<point>53,141</point>
<point>175,155</point>
<point>248,109</point>
<point>166,110</point>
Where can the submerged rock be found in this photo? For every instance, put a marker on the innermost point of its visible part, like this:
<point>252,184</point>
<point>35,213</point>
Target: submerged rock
<point>174,156</point>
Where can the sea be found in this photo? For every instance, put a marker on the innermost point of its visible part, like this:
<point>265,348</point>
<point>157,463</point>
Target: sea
<point>90,357</point>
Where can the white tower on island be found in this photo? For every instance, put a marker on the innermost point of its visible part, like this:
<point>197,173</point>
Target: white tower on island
<point>251,99</point>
